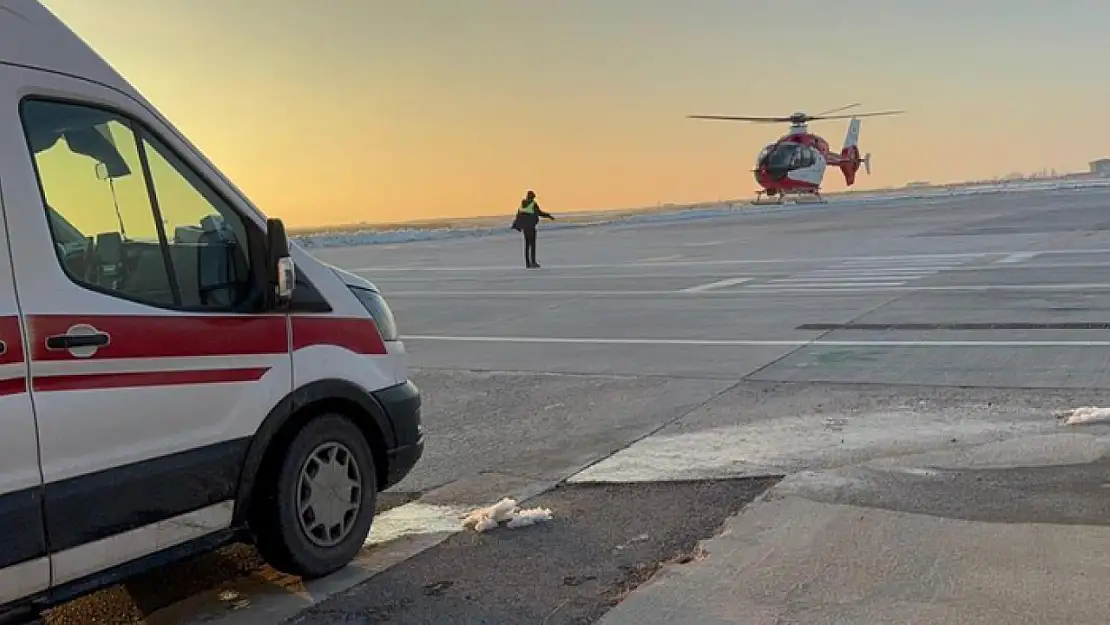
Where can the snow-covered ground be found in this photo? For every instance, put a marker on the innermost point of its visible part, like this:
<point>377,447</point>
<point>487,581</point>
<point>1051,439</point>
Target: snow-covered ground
<point>408,235</point>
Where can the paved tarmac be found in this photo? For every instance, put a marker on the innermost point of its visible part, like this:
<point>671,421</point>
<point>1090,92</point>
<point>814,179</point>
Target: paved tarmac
<point>730,298</point>
<point>818,342</point>
<point>724,298</point>
<point>902,364</point>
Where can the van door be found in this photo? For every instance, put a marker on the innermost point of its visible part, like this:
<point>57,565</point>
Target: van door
<point>24,567</point>
<point>150,367</point>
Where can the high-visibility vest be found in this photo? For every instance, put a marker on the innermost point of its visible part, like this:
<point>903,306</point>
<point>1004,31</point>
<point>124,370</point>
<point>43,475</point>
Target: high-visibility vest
<point>529,208</point>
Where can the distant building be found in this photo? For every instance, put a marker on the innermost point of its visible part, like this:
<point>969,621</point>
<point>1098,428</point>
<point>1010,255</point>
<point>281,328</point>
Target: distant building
<point>1101,167</point>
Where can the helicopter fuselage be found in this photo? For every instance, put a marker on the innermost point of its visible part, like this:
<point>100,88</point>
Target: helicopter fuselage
<point>796,162</point>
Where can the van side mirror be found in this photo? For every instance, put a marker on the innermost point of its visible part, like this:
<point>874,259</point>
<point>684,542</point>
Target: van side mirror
<point>279,265</point>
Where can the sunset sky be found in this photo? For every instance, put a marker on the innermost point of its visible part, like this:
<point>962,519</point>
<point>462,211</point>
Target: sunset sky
<point>344,111</point>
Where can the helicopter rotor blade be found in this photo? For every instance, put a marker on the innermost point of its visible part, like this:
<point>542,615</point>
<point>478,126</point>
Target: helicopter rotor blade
<point>794,118</point>
<point>758,120</point>
<point>856,115</point>
<point>836,110</point>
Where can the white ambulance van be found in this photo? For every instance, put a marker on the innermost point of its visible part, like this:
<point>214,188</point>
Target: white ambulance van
<point>174,375</point>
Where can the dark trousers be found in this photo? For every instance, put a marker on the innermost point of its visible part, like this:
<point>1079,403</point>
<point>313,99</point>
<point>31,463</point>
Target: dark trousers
<point>529,244</point>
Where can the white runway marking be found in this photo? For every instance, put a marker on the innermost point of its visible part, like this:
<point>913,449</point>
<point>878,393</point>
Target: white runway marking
<point>884,272</point>
<point>762,289</point>
<point>704,243</point>
<point>970,288</point>
<point>751,261</point>
<point>889,265</point>
<point>798,283</point>
<point>524,293</point>
<point>659,259</point>
<point>699,263</point>
<point>720,284</point>
<point>857,271</point>
<point>555,274</point>
<point>696,263</point>
<point>1018,257</point>
<point>744,342</point>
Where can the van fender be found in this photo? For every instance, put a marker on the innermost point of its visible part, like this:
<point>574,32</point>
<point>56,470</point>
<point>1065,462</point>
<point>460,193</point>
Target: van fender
<point>318,392</point>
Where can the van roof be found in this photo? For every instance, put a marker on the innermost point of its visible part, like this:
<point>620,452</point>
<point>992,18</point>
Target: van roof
<point>32,36</point>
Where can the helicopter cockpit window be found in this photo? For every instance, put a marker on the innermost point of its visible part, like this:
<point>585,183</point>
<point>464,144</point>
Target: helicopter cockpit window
<point>798,158</point>
<point>759,160</point>
<point>784,156</point>
<point>805,156</point>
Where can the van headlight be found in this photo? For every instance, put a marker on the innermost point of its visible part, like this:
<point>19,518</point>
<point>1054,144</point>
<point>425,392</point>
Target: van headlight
<point>379,310</point>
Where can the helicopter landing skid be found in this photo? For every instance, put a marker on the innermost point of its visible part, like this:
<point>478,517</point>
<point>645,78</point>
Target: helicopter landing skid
<point>762,198</point>
<point>809,198</point>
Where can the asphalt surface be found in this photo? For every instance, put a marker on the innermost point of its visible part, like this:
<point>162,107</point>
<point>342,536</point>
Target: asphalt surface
<point>771,342</point>
<point>567,572</point>
<point>616,347</point>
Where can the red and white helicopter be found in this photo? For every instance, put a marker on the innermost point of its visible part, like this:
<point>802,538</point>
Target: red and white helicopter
<point>794,165</point>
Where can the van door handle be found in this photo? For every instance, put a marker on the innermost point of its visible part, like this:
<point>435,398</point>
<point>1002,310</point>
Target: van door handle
<point>3,348</point>
<point>74,341</point>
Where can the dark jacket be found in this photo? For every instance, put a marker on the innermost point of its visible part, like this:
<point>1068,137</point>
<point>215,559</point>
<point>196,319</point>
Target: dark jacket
<point>529,220</point>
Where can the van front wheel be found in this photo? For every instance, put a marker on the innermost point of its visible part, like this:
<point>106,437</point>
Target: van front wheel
<point>321,505</point>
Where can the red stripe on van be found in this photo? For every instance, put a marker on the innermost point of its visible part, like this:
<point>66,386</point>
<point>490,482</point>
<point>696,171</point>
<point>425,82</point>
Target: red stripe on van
<point>138,379</point>
<point>13,386</point>
<point>170,336</point>
<point>12,336</point>
<point>360,336</point>
<point>167,336</point>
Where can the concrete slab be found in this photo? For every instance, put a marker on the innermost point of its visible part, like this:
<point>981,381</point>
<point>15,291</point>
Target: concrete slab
<point>968,532</point>
<point>541,426</point>
<point>987,366</point>
<point>780,429</point>
<point>1072,447</point>
<point>789,560</point>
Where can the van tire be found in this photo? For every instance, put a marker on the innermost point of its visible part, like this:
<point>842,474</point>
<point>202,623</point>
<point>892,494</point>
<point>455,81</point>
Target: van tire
<point>279,533</point>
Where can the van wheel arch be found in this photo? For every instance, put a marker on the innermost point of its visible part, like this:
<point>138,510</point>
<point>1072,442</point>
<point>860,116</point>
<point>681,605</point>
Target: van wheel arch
<point>291,414</point>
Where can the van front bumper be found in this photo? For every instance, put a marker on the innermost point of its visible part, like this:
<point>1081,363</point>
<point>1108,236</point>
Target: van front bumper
<point>402,405</point>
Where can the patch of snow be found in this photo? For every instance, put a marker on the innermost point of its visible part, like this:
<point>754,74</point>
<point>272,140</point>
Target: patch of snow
<point>531,516</point>
<point>1086,414</point>
<point>504,511</point>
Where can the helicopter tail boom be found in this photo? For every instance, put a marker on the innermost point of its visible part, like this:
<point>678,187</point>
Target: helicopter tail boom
<point>850,160</point>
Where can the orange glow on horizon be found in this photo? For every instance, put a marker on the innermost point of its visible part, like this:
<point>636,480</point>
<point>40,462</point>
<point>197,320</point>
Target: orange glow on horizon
<point>374,111</point>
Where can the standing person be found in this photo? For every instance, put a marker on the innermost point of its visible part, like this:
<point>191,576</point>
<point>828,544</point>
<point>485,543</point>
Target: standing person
<point>527,218</point>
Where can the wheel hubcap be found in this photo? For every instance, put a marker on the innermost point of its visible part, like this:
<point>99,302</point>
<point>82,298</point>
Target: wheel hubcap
<point>329,494</point>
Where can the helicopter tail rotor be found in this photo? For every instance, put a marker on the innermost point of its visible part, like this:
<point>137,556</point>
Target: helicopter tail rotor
<point>867,163</point>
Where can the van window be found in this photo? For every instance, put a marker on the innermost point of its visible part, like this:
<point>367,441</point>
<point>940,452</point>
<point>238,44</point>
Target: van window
<point>209,240</point>
<point>129,218</point>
